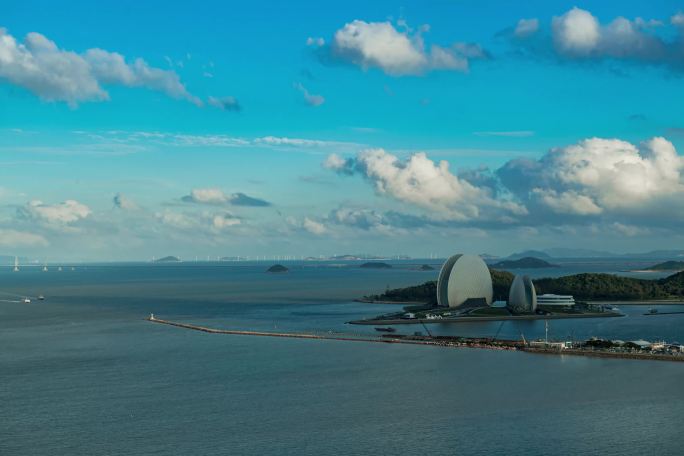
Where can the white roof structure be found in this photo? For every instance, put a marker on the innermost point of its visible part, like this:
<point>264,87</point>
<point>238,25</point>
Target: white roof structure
<point>464,278</point>
<point>522,298</point>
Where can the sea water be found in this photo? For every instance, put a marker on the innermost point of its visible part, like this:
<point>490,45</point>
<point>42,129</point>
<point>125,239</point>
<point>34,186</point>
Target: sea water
<point>82,373</point>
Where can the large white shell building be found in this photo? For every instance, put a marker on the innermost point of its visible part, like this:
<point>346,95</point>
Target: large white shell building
<point>522,297</point>
<point>464,280</point>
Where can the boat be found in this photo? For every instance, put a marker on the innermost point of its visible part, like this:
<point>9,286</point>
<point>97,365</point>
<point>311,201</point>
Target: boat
<point>41,297</point>
<point>385,329</point>
<point>26,301</point>
<point>653,311</point>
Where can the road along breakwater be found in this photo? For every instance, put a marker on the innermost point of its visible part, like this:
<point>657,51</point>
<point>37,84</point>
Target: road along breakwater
<point>440,341</point>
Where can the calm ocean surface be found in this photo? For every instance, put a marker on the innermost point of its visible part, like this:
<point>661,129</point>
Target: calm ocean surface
<point>82,373</point>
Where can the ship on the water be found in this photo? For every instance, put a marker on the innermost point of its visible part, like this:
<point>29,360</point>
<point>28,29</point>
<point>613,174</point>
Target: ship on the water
<point>385,329</point>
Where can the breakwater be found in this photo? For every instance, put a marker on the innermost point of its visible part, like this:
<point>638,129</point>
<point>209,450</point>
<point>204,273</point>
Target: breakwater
<point>440,341</point>
<point>471,318</point>
<point>331,336</point>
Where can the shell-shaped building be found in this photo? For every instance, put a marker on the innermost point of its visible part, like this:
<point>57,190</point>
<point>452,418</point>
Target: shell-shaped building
<point>522,297</point>
<point>464,279</point>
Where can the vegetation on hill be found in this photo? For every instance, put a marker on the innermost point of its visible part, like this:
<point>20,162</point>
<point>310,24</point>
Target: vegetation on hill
<point>168,259</point>
<point>426,292</point>
<point>523,263</point>
<point>581,286</point>
<point>501,282</point>
<point>668,266</point>
<point>376,265</point>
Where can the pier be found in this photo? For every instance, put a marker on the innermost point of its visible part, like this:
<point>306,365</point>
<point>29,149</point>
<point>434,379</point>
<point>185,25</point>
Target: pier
<point>288,335</point>
<point>440,341</point>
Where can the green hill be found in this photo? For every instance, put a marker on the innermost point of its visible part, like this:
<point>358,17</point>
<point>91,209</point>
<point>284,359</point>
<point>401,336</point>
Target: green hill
<point>668,266</point>
<point>168,259</point>
<point>582,286</point>
<point>376,265</point>
<point>277,268</point>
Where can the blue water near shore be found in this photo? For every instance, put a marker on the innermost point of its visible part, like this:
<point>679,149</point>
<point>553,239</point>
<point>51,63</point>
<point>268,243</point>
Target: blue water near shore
<point>82,373</point>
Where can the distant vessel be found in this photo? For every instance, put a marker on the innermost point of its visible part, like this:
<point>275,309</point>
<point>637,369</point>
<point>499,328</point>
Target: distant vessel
<point>653,311</point>
<point>41,297</point>
<point>16,264</point>
<point>385,329</point>
<point>26,301</point>
<point>59,268</point>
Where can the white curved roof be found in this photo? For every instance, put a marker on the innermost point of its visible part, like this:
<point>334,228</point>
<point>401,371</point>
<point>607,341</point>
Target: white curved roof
<point>464,277</point>
<point>522,296</point>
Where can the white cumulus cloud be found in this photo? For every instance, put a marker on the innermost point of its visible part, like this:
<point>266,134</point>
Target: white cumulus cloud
<point>526,27</point>
<point>313,226</point>
<point>64,213</point>
<point>600,175</point>
<point>225,220</point>
<point>55,74</point>
<point>207,196</point>
<point>398,52</point>
<point>578,34</point>
<point>424,183</point>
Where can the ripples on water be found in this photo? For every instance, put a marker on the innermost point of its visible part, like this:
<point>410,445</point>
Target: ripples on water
<point>82,374</point>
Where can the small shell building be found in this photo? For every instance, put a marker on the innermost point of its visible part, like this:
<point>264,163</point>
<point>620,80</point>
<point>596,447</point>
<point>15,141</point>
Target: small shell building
<point>464,281</point>
<point>522,297</point>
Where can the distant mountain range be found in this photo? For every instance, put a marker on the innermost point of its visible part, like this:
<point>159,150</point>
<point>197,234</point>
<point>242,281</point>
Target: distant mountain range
<point>588,253</point>
<point>529,254</point>
<point>523,263</point>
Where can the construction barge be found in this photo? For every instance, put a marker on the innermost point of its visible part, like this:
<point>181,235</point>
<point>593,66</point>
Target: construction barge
<point>538,347</point>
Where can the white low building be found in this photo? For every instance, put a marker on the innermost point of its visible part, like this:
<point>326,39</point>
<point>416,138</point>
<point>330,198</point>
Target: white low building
<point>554,300</point>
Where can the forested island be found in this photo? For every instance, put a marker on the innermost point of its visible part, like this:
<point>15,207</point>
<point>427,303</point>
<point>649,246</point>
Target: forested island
<point>589,286</point>
<point>168,259</point>
<point>668,266</point>
<point>376,265</point>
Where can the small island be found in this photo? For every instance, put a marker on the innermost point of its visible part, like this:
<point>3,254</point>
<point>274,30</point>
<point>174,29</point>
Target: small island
<point>376,265</point>
<point>524,263</point>
<point>168,259</point>
<point>277,269</point>
<point>426,267</point>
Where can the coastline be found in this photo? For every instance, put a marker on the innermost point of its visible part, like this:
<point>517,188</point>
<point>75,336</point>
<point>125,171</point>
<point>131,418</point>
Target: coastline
<point>399,303</point>
<point>642,302</point>
<point>415,321</point>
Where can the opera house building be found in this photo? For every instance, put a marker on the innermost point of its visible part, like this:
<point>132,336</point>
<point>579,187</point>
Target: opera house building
<point>464,281</point>
<point>522,297</point>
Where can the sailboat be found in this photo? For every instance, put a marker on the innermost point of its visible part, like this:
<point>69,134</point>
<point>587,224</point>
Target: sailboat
<point>16,264</point>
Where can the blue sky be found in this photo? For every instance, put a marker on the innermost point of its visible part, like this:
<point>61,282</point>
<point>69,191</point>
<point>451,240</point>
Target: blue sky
<point>301,128</point>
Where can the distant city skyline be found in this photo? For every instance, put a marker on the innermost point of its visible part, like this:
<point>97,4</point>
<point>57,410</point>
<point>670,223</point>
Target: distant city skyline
<point>129,131</point>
